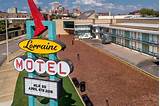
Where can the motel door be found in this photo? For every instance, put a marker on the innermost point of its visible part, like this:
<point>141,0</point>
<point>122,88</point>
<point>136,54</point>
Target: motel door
<point>126,43</point>
<point>145,48</point>
<point>113,39</point>
<point>127,34</point>
<point>114,35</point>
<point>114,32</point>
<point>145,37</point>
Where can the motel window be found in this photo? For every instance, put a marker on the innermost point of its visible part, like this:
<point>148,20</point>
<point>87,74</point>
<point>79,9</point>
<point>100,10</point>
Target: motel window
<point>117,32</point>
<point>114,31</point>
<point>155,38</point>
<point>127,34</point>
<point>138,46</point>
<point>151,49</point>
<point>121,32</point>
<point>68,24</point>
<point>118,40</point>
<point>133,44</point>
<point>133,35</point>
<point>110,30</point>
<point>155,49</point>
<point>139,35</point>
<point>145,37</point>
<point>136,35</point>
<point>150,38</point>
<point>123,42</point>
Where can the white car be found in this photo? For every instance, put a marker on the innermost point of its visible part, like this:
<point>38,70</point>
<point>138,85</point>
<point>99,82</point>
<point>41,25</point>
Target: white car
<point>86,36</point>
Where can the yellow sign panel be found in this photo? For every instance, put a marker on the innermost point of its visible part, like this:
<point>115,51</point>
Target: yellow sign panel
<point>41,46</point>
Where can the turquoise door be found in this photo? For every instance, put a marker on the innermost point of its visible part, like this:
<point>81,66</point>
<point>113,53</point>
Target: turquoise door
<point>127,34</point>
<point>114,32</point>
<point>145,37</point>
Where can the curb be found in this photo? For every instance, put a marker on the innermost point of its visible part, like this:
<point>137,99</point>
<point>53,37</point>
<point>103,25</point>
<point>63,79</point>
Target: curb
<point>76,91</point>
<point>4,41</point>
<point>124,62</point>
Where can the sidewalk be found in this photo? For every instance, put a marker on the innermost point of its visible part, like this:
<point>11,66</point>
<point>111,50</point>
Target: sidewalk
<point>140,60</point>
<point>8,78</point>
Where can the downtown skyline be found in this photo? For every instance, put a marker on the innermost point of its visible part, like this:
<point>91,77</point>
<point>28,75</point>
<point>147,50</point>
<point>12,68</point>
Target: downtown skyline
<point>114,6</point>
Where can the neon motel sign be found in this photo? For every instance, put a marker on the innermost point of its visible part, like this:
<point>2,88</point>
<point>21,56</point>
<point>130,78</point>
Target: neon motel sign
<point>62,68</point>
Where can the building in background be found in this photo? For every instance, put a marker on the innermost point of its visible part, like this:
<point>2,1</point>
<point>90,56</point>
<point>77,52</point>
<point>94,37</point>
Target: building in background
<point>14,15</point>
<point>12,10</point>
<point>76,12</point>
<point>16,23</point>
<point>88,15</point>
<point>59,11</point>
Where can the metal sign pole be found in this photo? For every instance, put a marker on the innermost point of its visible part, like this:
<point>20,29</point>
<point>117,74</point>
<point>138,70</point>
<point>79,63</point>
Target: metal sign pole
<point>52,36</point>
<point>30,31</point>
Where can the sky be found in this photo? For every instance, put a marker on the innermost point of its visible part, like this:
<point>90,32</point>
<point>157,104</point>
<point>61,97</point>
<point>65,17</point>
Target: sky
<point>114,6</point>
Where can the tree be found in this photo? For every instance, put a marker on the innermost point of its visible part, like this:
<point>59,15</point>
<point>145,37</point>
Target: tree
<point>2,25</point>
<point>149,12</point>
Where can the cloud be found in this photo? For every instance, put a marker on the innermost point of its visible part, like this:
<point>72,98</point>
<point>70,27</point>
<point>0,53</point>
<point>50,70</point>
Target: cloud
<point>88,2</point>
<point>37,2</point>
<point>51,3</point>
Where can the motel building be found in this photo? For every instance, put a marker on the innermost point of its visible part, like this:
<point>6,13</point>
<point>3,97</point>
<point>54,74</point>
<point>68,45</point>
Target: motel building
<point>139,34</point>
<point>141,37</point>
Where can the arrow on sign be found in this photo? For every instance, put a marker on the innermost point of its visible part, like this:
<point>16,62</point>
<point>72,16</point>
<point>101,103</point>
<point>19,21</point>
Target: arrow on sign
<point>37,17</point>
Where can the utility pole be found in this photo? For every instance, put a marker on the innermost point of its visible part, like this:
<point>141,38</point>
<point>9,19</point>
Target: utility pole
<point>7,39</point>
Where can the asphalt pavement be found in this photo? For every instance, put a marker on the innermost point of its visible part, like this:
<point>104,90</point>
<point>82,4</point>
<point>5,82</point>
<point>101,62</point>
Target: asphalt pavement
<point>140,60</point>
<point>12,47</point>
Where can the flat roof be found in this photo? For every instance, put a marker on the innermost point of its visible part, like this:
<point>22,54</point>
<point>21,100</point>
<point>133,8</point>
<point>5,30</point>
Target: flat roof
<point>83,24</point>
<point>129,29</point>
<point>140,25</point>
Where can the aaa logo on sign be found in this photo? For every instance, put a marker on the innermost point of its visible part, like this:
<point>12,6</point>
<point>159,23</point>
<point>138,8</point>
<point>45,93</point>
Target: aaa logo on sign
<point>41,46</point>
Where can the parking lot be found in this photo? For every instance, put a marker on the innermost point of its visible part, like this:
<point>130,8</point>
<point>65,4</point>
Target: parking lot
<point>142,61</point>
<point>108,81</point>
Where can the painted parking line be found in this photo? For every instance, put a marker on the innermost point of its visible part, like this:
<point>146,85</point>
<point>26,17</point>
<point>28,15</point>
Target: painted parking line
<point>124,62</point>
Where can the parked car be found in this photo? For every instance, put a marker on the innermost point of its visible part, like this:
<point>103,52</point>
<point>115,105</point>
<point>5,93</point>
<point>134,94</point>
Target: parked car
<point>85,36</point>
<point>82,86</point>
<point>86,100</point>
<point>76,82</point>
<point>106,39</point>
